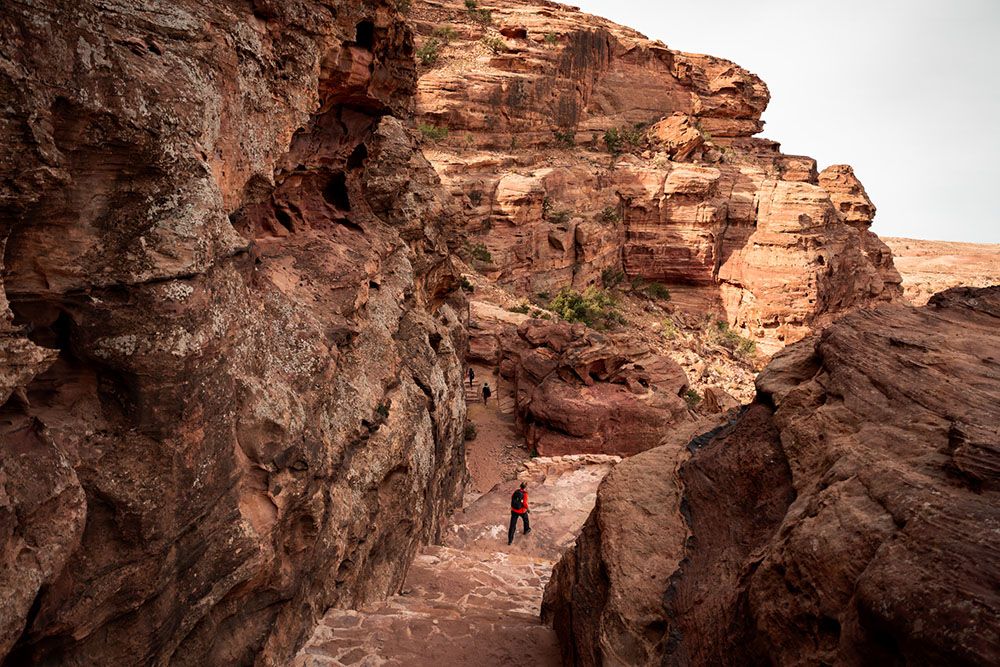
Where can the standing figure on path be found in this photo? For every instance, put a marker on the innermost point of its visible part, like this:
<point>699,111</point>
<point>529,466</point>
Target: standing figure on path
<point>486,393</point>
<point>472,375</point>
<point>518,508</point>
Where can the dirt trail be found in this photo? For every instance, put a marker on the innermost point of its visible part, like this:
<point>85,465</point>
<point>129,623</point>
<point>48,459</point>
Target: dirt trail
<point>475,600</point>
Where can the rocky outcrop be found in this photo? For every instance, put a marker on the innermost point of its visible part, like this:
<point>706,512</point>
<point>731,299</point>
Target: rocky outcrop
<point>845,518</point>
<point>578,145</point>
<point>578,391</point>
<point>230,345</point>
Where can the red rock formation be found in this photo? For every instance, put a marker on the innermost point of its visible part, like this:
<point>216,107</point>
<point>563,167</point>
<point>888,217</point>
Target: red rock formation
<point>846,518</point>
<point>527,90</point>
<point>929,267</point>
<point>230,349</point>
<point>579,391</point>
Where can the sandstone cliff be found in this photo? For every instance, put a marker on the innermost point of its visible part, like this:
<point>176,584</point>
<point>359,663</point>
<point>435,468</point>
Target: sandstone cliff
<point>848,517</point>
<point>230,346</point>
<point>929,267</point>
<point>578,145</point>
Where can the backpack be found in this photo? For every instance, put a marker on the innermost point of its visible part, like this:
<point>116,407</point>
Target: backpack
<point>517,500</point>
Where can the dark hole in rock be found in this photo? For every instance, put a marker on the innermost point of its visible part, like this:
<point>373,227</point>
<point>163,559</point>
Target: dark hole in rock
<point>514,33</point>
<point>335,192</point>
<point>358,157</point>
<point>283,218</point>
<point>435,341</point>
<point>365,35</point>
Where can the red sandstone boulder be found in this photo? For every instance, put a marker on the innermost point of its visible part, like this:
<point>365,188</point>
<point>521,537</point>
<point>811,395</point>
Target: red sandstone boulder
<point>845,518</point>
<point>579,391</point>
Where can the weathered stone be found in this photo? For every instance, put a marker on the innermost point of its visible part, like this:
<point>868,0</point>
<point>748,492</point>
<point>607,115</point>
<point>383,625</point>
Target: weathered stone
<point>857,522</point>
<point>231,365</point>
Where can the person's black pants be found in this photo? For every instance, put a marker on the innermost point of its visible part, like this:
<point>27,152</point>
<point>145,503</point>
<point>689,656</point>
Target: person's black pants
<point>513,525</point>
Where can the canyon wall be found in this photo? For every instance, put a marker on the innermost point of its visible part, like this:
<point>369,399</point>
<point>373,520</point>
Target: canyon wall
<point>579,146</point>
<point>849,516</point>
<point>230,340</point>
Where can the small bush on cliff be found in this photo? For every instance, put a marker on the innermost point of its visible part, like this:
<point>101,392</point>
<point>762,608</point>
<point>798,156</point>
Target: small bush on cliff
<point>483,17</point>
<point>471,431</point>
<point>618,140</point>
<point>445,34</point>
<point>613,141</point>
<point>565,138</point>
<point>610,214</point>
<point>494,44</point>
<point>432,132</point>
<point>658,291</point>
<point>669,330</point>
<point>428,53</point>
<point>692,397</point>
<point>551,38</point>
<point>521,309</point>
<point>594,307</point>
<point>480,253</point>
<point>721,334</point>
<point>612,277</point>
<point>466,285</point>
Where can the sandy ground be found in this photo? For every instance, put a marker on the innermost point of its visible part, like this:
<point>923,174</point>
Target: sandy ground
<point>498,450</point>
<point>929,267</point>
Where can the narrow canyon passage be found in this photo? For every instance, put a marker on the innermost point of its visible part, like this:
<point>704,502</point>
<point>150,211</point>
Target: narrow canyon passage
<point>475,600</point>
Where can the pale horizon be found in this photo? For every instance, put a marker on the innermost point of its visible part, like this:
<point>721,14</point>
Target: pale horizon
<point>907,93</point>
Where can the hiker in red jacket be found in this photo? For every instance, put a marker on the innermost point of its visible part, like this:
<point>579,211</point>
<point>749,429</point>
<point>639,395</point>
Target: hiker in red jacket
<point>518,508</point>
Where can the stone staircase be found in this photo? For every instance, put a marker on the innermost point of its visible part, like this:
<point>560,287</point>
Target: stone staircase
<point>474,393</point>
<point>474,601</point>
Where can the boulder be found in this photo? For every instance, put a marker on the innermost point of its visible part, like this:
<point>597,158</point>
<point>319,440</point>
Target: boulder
<point>844,518</point>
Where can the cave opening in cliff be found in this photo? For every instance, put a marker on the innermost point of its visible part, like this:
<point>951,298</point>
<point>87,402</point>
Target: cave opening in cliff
<point>335,192</point>
<point>357,157</point>
<point>365,37</point>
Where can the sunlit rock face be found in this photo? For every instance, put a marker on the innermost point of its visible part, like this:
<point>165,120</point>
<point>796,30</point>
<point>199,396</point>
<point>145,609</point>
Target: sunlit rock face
<point>230,345</point>
<point>688,197</point>
<point>846,517</point>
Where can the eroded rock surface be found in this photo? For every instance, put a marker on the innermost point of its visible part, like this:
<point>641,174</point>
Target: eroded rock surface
<point>230,345</point>
<point>681,192</point>
<point>577,390</point>
<point>850,516</point>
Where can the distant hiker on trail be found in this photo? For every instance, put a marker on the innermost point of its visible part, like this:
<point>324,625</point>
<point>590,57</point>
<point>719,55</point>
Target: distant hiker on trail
<point>486,393</point>
<point>518,508</point>
<point>472,375</point>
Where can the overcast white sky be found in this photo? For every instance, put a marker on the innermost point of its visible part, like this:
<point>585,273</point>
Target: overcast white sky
<point>905,91</point>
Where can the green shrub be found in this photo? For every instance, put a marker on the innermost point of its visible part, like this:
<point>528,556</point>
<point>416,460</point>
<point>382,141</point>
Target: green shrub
<point>471,431</point>
<point>479,252</point>
<point>612,277</point>
<point>618,140</point>
<point>428,53</point>
<point>494,44</point>
<point>432,132</point>
<point>669,330</point>
<point>483,17</point>
<point>658,291</point>
<point>594,307</point>
<point>445,33</point>
<point>521,308</point>
<point>466,285</point>
<point>692,397</point>
<point>720,334</point>
<point>566,138</point>
<point>471,4</point>
<point>551,38</point>
<point>610,214</point>
<point>613,141</point>
<point>382,411</point>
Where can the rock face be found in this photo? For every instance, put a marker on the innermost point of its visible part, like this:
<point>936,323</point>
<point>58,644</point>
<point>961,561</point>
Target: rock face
<point>546,111</point>
<point>848,517</point>
<point>929,267</point>
<point>230,345</point>
<point>577,390</point>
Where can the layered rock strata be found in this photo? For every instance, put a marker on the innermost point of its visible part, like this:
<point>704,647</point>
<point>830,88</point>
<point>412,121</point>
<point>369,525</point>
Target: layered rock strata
<point>230,345</point>
<point>848,517</point>
<point>578,145</point>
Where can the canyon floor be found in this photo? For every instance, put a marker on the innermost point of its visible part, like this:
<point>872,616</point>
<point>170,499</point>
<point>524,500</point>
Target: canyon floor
<point>475,600</point>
